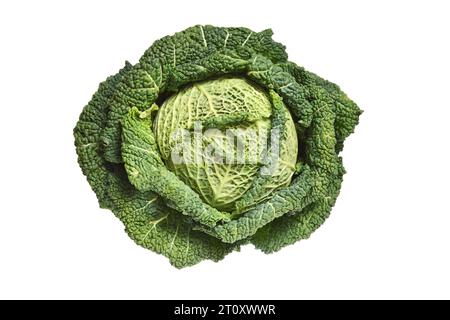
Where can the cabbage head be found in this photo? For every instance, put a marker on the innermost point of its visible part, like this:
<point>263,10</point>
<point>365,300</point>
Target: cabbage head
<point>214,140</point>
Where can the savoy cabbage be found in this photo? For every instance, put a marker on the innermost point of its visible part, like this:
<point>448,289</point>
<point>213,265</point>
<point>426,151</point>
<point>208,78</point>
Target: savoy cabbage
<point>214,140</point>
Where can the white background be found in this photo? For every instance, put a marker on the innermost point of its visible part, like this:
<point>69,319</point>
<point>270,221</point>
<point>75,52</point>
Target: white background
<point>389,233</point>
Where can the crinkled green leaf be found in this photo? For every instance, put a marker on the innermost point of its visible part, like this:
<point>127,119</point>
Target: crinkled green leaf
<point>154,226</point>
<point>289,229</point>
<point>147,172</point>
<point>294,197</point>
<point>88,136</point>
<point>281,159</point>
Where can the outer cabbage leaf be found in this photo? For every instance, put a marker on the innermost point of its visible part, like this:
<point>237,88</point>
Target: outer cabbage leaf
<point>147,172</point>
<point>88,136</point>
<point>154,226</point>
<point>280,160</point>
